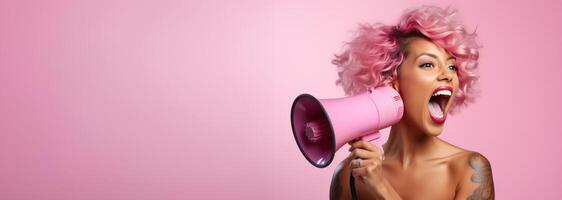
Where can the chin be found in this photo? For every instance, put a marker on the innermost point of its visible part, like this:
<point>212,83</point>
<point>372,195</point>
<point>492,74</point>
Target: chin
<point>434,131</point>
<point>432,128</point>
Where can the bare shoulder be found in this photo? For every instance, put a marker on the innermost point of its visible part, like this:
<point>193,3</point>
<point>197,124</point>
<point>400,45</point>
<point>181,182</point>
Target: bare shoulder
<point>478,162</point>
<point>473,164</point>
<point>473,172</point>
<point>465,159</point>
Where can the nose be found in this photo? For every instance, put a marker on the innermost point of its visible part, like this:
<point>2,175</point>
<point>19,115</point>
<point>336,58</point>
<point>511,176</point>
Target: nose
<point>445,75</point>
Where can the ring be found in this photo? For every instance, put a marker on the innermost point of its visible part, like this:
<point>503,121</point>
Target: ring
<point>358,163</point>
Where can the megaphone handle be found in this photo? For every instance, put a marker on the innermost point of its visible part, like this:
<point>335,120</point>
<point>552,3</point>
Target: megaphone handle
<point>374,138</point>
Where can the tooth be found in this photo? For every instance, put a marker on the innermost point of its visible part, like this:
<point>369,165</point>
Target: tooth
<point>442,92</point>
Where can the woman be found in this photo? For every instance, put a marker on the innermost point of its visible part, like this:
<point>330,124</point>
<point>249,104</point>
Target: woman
<point>431,60</point>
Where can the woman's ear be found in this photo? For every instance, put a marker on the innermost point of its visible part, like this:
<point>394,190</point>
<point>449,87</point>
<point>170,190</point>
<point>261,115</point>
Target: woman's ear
<point>394,84</point>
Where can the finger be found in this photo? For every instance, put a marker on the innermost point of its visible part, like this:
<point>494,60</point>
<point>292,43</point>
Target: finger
<point>362,174</point>
<point>364,145</point>
<point>349,158</point>
<point>373,149</point>
<point>364,154</point>
<point>358,172</point>
<point>356,163</point>
<point>359,163</point>
<point>352,141</point>
<point>367,168</point>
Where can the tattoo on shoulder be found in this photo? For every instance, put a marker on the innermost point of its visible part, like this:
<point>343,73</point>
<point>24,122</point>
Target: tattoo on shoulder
<point>482,176</point>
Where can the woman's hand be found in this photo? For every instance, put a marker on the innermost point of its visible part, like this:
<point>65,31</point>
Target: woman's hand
<point>366,166</point>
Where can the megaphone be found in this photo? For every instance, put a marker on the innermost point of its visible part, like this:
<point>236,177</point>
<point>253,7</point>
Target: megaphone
<point>322,126</point>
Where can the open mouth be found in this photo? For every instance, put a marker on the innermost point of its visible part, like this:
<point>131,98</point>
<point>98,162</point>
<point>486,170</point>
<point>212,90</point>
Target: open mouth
<point>438,102</point>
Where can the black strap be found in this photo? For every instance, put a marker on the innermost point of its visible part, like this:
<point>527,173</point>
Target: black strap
<point>352,187</point>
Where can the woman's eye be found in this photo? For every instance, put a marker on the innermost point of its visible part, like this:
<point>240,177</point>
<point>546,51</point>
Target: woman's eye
<point>426,65</point>
<point>452,67</point>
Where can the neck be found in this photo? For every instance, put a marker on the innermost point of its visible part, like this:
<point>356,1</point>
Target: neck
<point>408,145</point>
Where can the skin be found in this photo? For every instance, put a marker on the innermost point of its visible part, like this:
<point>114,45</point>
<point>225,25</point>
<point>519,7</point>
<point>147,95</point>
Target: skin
<point>416,163</point>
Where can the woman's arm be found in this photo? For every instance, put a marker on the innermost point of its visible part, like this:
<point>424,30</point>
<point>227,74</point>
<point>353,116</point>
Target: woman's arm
<point>339,188</point>
<point>477,182</point>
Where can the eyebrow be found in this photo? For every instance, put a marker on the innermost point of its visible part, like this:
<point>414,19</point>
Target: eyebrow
<point>432,55</point>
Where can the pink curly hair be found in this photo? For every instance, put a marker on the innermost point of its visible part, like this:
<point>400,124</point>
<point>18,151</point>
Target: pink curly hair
<point>373,57</point>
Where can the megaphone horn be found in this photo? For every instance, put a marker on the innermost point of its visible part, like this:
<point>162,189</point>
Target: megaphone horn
<point>322,126</point>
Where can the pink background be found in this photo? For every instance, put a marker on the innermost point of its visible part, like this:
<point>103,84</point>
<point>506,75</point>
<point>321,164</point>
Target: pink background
<point>190,100</point>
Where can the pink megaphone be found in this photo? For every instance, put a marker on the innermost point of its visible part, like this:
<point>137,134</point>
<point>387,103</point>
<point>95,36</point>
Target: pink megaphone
<point>322,126</point>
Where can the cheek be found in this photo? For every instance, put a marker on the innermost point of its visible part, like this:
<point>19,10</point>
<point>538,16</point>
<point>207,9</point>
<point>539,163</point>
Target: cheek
<point>456,83</point>
<point>416,87</point>
<point>414,91</point>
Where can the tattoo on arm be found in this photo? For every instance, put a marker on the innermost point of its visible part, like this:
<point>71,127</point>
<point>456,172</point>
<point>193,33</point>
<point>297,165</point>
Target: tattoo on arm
<point>482,176</point>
